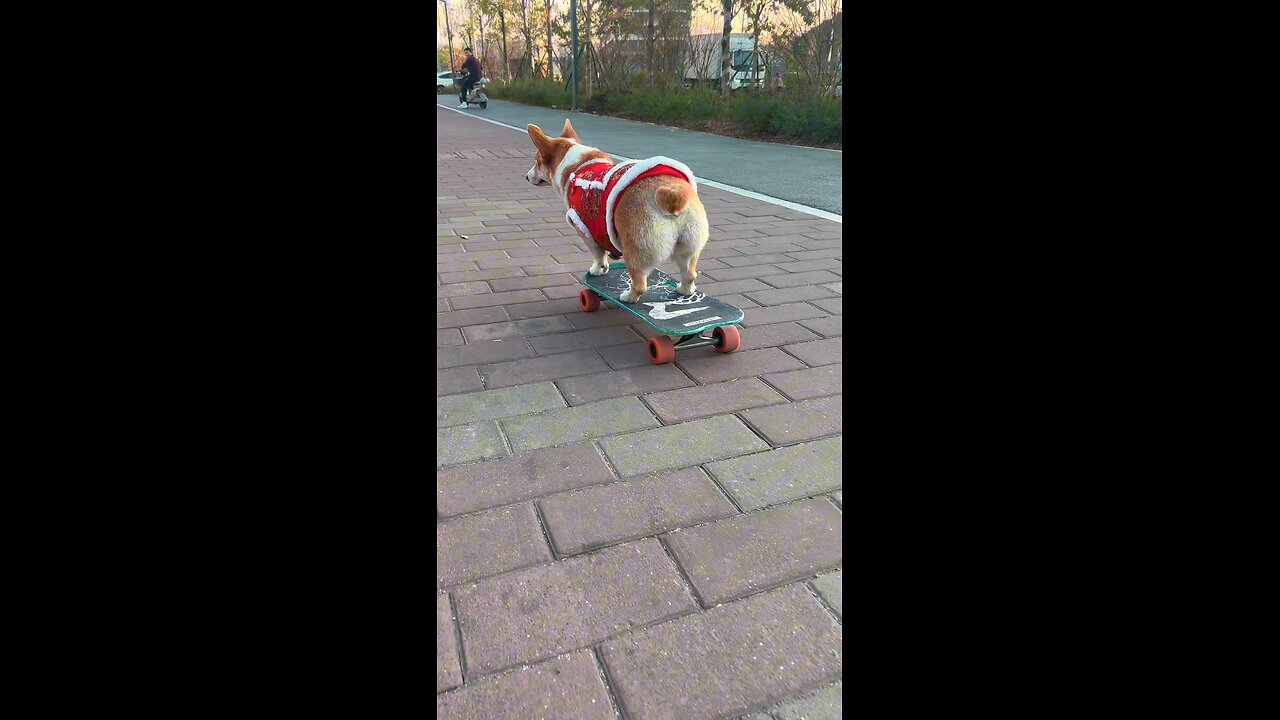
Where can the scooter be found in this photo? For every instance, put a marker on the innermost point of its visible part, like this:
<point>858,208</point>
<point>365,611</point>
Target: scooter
<point>476,95</point>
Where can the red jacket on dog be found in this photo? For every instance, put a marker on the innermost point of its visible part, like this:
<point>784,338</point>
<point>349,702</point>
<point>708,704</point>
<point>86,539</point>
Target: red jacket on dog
<point>594,190</point>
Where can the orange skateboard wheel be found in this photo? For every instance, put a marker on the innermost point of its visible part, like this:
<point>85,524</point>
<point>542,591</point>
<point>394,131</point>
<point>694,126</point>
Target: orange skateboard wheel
<point>728,337</point>
<point>589,301</point>
<point>661,350</point>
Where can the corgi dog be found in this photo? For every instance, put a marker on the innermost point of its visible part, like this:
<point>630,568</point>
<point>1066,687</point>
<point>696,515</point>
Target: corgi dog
<point>647,210</point>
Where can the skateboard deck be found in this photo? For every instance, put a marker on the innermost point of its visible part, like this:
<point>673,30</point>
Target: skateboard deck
<point>661,307</point>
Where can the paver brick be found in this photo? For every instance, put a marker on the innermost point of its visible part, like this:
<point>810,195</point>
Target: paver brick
<point>797,422</point>
<point>727,660</point>
<point>800,266</point>
<point>448,669</point>
<point>507,262</point>
<point>746,260</point>
<point>560,245</point>
<point>442,305</point>
<point>789,295</point>
<point>537,281</point>
<point>584,339</point>
<point>603,515</point>
<point>475,301</point>
<point>740,555</point>
<point>455,266</point>
<point>678,446</point>
<point>810,382</point>
<point>575,270</point>
<point>830,587</point>
<point>826,704</point>
<point>839,498</point>
<point>627,356</point>
<point>780,313</point>
<point>733,286</point>
<point>461,318</point>
<point>544,308</point>
<point>827,327</point>
<point>817,254</point>
<point>496,244</point>
<point>559,292</point>
<point>494,404</point>
<point>769,245</point>
<point>564,688</point>
<point>790,473</point>
<point>468,443</point>
<point>553,367</point>
<point>815,277</point>
<point>458,290</point>
<point>482,352</point>
<point>819,352</point>
<point>738,273</point>
<point>517,328</point>
<point>738,365</point>
<point>835,287</point>
<point>635,381</point>
<point>573,424</point>
<point>457,380</point>
<point>834,305</point>
<point>544,611</point>
<point>488,543</point>
<point>448,337</point>
<point>478,275</point>
<point>740,301</point>
<point>604,317</point>
<point>675,406</point>
<point>521,477</point>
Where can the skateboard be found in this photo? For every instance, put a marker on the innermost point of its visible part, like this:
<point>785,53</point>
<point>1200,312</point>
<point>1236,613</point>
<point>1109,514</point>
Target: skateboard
<point>681,320</point>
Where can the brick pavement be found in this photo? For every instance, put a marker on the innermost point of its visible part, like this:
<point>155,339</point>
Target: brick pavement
<point>616,539</point>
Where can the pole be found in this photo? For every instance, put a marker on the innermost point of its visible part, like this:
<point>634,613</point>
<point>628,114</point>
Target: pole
<point>452,66</point>
<point>573,51</point>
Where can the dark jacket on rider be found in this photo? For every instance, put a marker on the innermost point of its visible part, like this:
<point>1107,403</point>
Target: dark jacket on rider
<point>472,68</point>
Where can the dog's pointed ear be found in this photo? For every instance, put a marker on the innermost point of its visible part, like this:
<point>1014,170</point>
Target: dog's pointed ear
<point>540,140</point>
<point>568,130</point>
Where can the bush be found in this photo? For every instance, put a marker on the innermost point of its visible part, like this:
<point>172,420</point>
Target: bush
<point>790,115</point>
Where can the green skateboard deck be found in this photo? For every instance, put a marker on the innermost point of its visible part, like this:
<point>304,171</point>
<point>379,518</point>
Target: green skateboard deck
<point>661,307</point>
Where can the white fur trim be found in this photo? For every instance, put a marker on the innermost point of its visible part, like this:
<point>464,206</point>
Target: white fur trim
<point>635,171</point>
<point>571,158</point>
<point>586,185</point>
<point>574,220</point>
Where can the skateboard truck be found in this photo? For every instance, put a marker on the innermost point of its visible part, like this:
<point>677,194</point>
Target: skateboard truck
<point>662,349</point>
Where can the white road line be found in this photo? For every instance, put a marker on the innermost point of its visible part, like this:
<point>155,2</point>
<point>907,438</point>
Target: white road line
<point>719,186</point>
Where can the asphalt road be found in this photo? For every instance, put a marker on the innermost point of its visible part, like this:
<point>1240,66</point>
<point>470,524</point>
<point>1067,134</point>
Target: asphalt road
<point>809,176</point>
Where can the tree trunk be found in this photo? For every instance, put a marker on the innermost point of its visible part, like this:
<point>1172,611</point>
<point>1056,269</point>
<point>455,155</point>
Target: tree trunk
<point>755,46</point>
<point>502,22</point>
<point>550,55</point>
<point>648,61</point>
<point>725,57</point>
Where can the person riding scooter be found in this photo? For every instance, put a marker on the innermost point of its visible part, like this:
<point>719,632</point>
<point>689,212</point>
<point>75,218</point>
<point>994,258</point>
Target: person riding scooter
<point>472,68</point>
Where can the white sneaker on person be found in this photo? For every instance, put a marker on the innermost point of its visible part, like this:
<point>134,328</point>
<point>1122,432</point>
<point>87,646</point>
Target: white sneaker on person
<point>462,106</point>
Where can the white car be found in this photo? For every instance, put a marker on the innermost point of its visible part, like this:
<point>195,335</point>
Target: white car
<point>447,82</point>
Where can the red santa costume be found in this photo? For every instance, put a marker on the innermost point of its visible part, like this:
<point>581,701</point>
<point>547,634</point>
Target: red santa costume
<point>596,187</point>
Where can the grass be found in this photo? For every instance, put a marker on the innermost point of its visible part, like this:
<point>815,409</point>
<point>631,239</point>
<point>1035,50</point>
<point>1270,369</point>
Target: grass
<point>743,114</point>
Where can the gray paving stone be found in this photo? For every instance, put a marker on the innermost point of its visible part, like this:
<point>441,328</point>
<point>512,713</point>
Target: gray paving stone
<point>839,498</point>
<point>494,404</point>
<point>827,327</point>
<point>797,422</point>
<point>789,473</point>
<point>747,260</point>
<point>830,586</point>
<point>834,305</point>
<point>803,265</point>
<point>836,287</point>
<point>603,515</point>
<point>449,337</point>
<point>634,381</point>
<point>679,446</point>
<point>560,292</point>
<point>557,269</point>
<point>521,477</point>
<point>501,298</point>
<point>544,611</point>
<point>504,261</point>
<point>815,277</point>
<point>781,313</point>
<point>568,687</point>
<point>826,704</point>
<point>460,318</point>
<point>770,247</point>
<point>488,543</point>
<point>819,352</point>
<point>810,382</point>
<point>603,317</point>
<point>731,287</point>
<point>457,380</point>
<point>721,662</point>
<point>745,272</point>
<point>573,424</point>
<point>448,669</point>
<point>460,289</point>
<point>790,295</point>
<point>448,249</point>
<point>487,351</point>
<point>468,443</point>
<point>728,366</point>
<point>584,340</point>
<point>476,275</point>
<point>627,356</point>
<point>543,309</point>
<point>517,328</point>
<point>537,281</point>
<point>454,264</point>
<point>817,254</point>
<point>740,555</point>
<point>742,302</point>
<point>553,367</point>
<point>442,305</point>
<point>675,406</point>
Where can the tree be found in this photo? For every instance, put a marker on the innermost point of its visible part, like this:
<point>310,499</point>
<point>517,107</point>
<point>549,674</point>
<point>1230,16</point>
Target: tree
<point>550,53</point>
<point>755,12</point>
<point>524,23</point>
<point>728,7</point>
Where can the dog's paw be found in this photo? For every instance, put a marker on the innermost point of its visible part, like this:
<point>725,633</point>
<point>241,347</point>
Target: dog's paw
<point>598,269</point>
<point>686,290</point>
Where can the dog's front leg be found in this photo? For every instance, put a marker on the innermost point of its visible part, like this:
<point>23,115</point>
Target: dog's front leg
<point>601,264</point>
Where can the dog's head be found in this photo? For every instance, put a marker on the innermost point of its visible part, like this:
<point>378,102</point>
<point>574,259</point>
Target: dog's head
<point>551,152</point>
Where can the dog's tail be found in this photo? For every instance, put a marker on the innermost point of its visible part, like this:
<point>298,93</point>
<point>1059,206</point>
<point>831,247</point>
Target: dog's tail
<point>674,199</point>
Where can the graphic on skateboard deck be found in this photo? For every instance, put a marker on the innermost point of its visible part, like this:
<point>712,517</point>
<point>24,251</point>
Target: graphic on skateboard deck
<point>666,311</point>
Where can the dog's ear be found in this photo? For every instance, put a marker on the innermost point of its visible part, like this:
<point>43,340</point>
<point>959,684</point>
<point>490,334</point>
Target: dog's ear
<point>540,140</point>
<point>568,130</point>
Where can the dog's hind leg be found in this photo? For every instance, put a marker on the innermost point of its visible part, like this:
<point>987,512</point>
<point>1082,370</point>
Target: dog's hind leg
<point>639,281</point>
<point>689,244</point>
